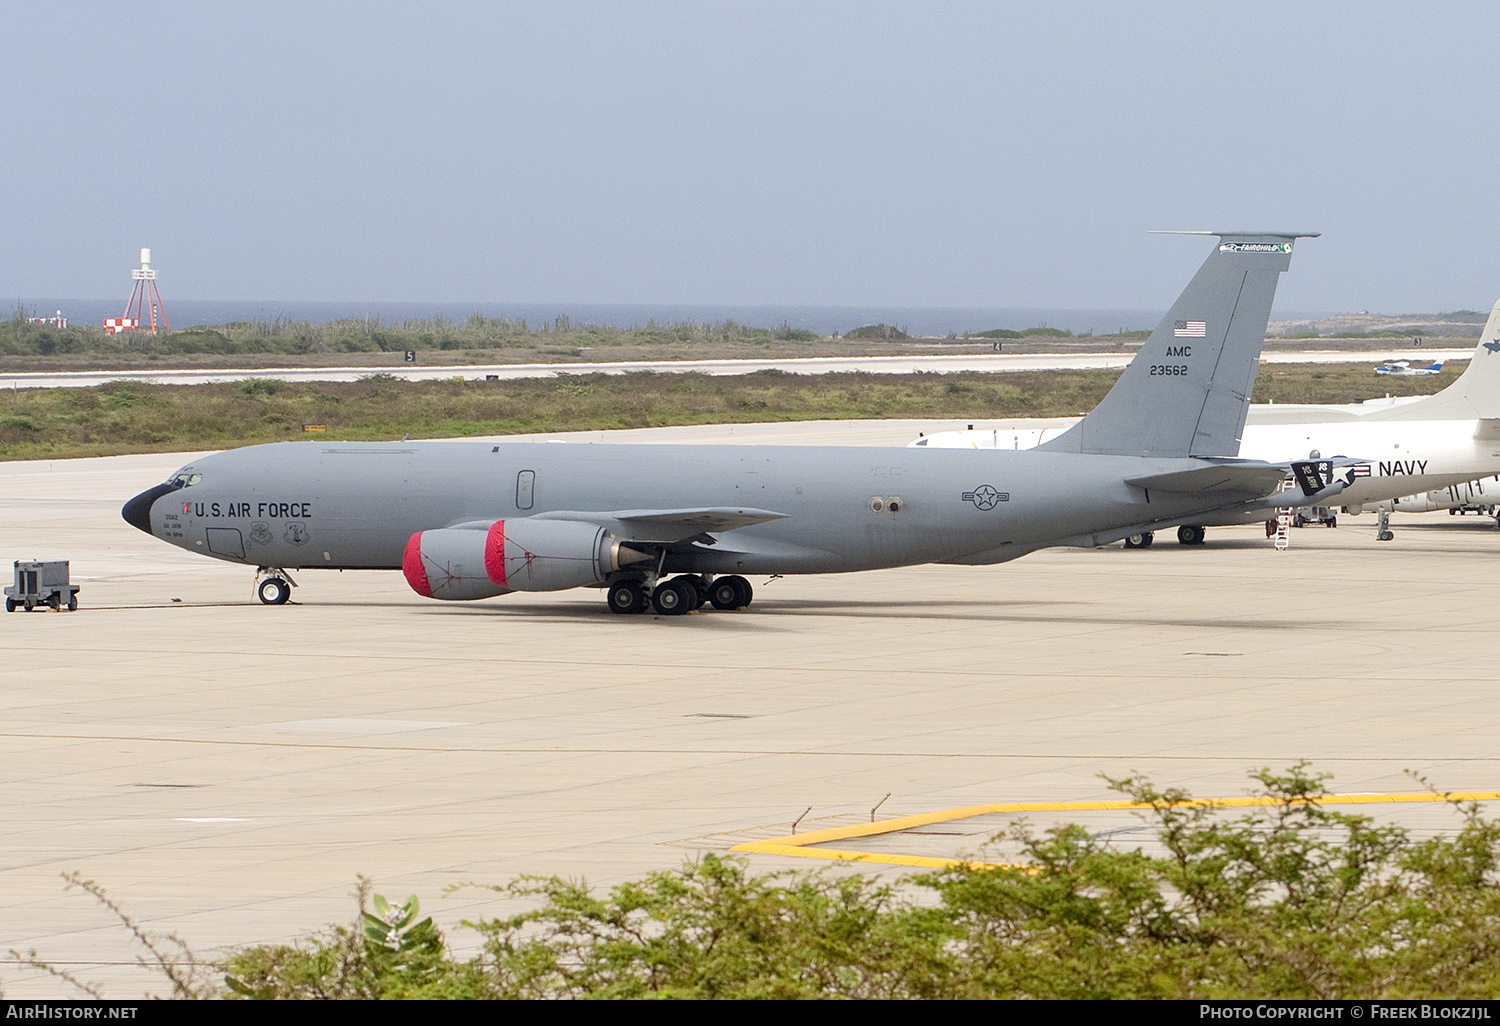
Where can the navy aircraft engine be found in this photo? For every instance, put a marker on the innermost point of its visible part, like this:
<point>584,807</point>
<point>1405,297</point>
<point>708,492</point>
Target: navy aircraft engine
<point>513,555</point>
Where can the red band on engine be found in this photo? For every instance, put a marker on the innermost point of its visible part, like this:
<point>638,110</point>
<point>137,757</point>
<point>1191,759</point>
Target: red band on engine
<point>411,566</point>
<point>494,553</point>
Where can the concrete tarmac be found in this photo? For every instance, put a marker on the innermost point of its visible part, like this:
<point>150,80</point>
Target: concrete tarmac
<point>226,769</point>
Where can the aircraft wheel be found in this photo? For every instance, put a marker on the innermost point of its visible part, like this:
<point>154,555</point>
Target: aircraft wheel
<point>1190,534</point>
<point>723,594</point>
<point>729,592</point>
<point>746,592</point>
<point>1140,541</point>
<point>627,597</point>
<point>274,591</point>
<point>698,589</point>
<point>722,587</point>
<point>674,597</point>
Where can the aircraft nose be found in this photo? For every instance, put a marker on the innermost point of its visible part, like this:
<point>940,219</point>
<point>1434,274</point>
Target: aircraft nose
<point>137,512</point>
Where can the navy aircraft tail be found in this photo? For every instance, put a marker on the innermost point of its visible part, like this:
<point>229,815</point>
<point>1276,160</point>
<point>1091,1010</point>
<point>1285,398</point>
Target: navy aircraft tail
<point>1187,391</point>
<point>1474,396</point>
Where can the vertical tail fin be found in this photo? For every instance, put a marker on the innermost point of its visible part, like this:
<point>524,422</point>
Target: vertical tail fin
<point>1187,391</point>
<point>1476,393</point>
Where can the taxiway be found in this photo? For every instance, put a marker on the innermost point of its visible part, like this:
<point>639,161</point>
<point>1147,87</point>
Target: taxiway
<point>227,769</point>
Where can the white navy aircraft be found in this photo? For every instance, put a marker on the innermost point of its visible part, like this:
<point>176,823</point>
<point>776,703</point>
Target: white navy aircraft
<point>1413,447</point>
<point>676,526</point>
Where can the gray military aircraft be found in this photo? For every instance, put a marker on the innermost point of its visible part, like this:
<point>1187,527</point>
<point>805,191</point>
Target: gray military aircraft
<point>673,527</point>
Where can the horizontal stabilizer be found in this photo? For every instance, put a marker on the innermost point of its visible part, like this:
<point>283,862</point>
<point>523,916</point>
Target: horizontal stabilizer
<point>1251,477</point>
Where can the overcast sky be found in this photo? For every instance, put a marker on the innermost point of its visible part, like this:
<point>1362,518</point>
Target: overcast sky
<point>917,154</point>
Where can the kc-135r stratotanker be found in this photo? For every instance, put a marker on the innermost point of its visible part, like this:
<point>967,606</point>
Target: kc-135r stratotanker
<point>676,526</point>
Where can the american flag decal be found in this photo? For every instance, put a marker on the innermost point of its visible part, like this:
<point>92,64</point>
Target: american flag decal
<point>1361,470</point>
<point>1190,329</point>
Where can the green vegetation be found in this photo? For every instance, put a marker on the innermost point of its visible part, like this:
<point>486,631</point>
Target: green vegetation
<point>126,417</point>
<point>484,337</point>
<point>1045,332</point>
<point>884,332</point>
<point>1364,334</point>
<point>132,417</point>
<point>1291,900</point>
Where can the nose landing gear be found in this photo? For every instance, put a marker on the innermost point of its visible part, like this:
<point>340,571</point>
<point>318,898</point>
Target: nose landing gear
<point>273,585</point>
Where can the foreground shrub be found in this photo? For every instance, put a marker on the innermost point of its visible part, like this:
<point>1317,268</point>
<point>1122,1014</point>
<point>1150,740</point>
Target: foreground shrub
<point>1285,898</point>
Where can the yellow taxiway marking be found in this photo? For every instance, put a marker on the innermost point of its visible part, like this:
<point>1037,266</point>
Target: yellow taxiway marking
<point>811,845</point>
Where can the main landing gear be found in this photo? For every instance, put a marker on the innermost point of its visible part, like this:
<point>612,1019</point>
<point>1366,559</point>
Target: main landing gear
<point>274,585</point>
<point>679,595</point>
<point>1190,534</point>
<point>1140,541</point>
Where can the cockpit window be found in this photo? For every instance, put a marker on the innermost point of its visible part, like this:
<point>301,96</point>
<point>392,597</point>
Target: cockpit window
<point>183,479</point>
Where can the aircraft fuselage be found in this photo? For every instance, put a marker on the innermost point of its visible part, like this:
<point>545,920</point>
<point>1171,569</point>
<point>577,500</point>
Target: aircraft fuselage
<point>356,505</point>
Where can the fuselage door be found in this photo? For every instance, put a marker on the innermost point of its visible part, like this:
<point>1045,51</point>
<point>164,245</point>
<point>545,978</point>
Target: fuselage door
<point>525,489</point>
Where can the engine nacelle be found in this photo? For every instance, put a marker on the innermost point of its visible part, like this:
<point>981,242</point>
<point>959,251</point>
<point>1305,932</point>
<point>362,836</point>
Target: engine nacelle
<point>513,555</point>
<point>1425,502</point>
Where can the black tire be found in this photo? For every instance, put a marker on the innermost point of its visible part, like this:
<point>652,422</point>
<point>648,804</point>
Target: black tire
<point>273,591</point>
<point>746,592</point>
<point>674,597</point>
<point>10,603</point>
<point>72,603</point>
<point>699,590</point>
<point>724,593</point>
<point>627,597</point>
<point>1140,541</point>
<point>1190,534</point>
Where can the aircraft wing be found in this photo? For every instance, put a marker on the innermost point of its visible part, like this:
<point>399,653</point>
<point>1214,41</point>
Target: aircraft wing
<point>668,525</point>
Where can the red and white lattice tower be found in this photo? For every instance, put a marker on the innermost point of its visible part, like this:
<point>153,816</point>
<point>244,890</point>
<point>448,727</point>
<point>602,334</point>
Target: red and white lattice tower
<point>144,300</point>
